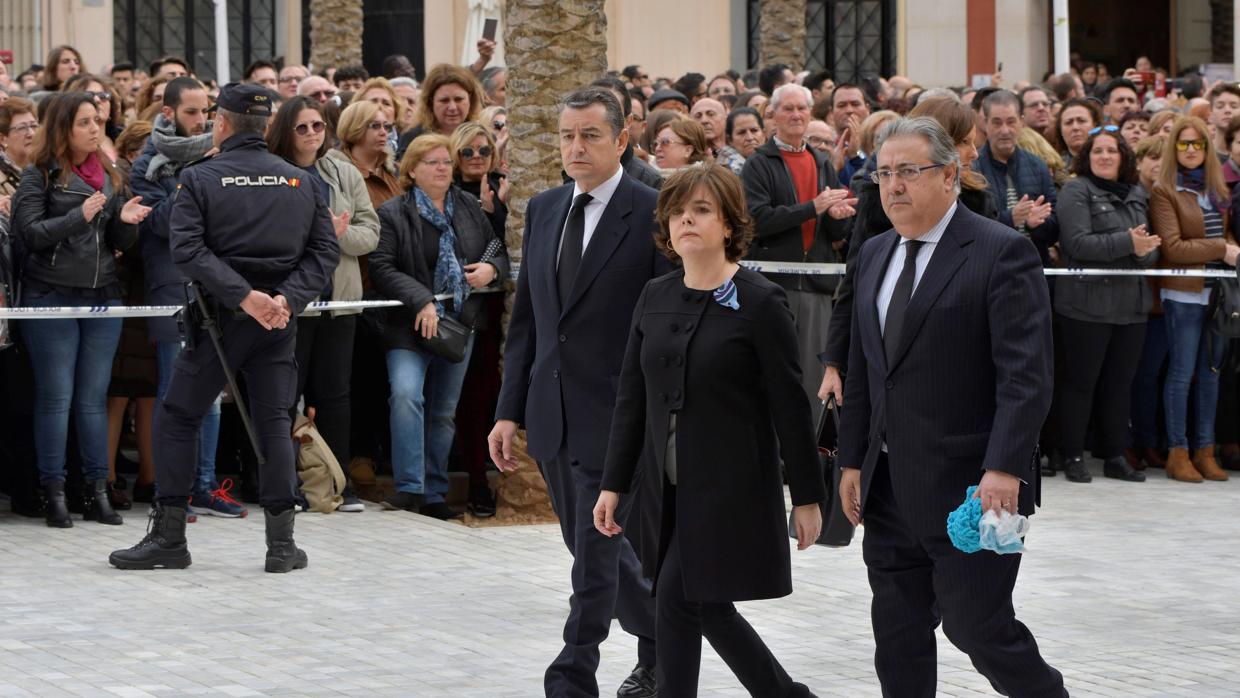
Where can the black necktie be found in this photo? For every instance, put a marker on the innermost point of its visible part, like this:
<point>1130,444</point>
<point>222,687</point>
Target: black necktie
<point>899,300</point>
<point>572,246</point>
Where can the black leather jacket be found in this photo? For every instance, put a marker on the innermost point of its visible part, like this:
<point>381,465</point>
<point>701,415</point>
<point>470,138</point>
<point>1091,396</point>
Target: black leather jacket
<point>63,249</point>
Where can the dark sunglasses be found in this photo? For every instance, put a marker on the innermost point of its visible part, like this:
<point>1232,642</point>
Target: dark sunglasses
<point>483,152</point>
<point>305,129</point>
<point>498,125</point>
<point>1099,129</point>
<point>104,95</point>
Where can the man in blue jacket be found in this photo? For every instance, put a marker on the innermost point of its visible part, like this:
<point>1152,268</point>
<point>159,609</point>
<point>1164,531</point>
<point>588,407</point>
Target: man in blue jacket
<point>1020,181</point>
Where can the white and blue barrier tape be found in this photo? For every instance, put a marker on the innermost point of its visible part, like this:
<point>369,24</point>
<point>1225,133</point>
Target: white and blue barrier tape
<point>64,313</point>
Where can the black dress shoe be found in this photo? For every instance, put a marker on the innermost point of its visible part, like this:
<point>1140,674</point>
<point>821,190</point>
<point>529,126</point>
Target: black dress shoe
<point>639,684</point>
<point>404,501</point>
<point>441,511</point>
<point>1076,471</point>
<point>481,501</point>
<point>1053,464</point>
<point>1119,469</point>
<point>57,511</point>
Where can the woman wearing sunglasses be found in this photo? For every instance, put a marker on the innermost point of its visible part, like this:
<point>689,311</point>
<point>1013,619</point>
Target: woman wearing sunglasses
<point>475,157</point>
<point>1102,224</point>
<point>325,342</point>
<point>1190,211</point>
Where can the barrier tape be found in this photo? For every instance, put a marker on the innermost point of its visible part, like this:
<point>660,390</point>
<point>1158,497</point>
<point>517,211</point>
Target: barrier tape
<point>119,311</point>
<point>809,268</point>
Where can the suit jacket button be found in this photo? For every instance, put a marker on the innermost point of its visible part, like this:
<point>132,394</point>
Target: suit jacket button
<point>680,361</point>
<point>555,373</point>
<point>684,296</point>
<point>689,327</point>
<point>676,394</point>
<point>891,384</point>
<point>663,397</point>
<point>675,328</point>
<point>563,338</point>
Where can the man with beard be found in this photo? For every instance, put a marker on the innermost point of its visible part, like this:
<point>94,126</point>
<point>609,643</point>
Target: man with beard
<point>181,135</point>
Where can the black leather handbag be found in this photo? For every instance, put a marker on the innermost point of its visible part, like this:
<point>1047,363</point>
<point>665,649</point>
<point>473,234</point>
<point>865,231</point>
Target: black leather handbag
<point>837,530</point>
<point>452,335</point>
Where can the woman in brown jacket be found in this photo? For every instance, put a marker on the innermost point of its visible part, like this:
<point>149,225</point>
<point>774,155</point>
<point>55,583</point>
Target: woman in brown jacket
<point>1189,210</point>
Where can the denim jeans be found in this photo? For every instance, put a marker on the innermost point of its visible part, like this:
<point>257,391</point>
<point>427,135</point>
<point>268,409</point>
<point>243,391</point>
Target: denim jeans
<point>166,354</point>
<point>1145,392</point>
<point>1193,347</point>
<point>72,362</point>
<point>425,390</point>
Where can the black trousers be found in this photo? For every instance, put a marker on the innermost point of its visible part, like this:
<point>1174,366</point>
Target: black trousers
<point>324,374</point>
<point>919,581</point>
<point>682,623</point>
<point>1100,363</point>
<point>371,432</point>
<point>265,358</point>
<point>607,580</point>
<point>1227,420</point>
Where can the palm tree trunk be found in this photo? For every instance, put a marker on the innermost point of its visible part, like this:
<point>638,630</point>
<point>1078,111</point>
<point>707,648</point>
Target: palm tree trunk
<point>781,33</point>
<point>552,47</point>
<point>335,32</point>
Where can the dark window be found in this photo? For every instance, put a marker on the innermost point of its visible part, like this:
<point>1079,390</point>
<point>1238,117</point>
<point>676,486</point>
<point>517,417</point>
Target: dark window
<point>851,38</point>
<point>147,29</point>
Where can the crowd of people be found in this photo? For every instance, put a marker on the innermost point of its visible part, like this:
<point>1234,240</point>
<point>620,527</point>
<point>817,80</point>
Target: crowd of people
<point>1097,172</point>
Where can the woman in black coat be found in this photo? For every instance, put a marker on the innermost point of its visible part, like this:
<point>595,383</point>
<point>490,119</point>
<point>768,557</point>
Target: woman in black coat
<point>432,240</point>
<point>712,351</point>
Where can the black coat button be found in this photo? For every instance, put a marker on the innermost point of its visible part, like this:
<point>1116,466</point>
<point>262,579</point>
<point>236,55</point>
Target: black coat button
<point>555,373</point>
<point>891,384</point>
<point>676,394</point>
<point>689,327</point>
<point>684,296</point>
<point>675,328</point>
<point>663,397</point>
<point>563,338</point>
<point>680,361</point>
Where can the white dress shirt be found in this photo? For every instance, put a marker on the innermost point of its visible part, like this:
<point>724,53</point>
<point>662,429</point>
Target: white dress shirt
<point>594,210</point>
<point>930,240</point>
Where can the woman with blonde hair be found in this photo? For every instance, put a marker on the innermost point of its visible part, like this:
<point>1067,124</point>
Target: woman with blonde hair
<point>475,159</point>
<point>871,127</point>
<point>363,133</point>
<point>381,92</point>
<point>1190,210</point>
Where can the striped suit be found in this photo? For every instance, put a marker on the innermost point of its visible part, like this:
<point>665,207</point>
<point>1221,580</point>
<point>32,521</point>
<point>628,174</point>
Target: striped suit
<point>967,390</point>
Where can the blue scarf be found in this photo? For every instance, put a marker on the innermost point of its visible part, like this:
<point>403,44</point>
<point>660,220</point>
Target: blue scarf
<point>1194,180</point>
<point>449,271</point>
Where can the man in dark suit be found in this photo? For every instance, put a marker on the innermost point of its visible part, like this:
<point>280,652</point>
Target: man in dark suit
<point>949,380</point>
<point>588,252</point>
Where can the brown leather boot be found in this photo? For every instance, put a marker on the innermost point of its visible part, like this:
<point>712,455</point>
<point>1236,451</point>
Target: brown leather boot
<point>1179,467</point>
<point>1203,461</point>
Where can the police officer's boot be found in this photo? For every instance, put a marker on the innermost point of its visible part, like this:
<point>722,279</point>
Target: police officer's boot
<point>57,505</point>
<point>99,505</point>
<point>283,555</point>
<point>163,546</point>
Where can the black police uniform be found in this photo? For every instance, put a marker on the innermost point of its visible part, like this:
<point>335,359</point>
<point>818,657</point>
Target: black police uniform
<point>243,220</point>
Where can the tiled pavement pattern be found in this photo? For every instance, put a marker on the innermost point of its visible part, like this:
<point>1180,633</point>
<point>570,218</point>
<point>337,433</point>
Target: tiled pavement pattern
<point>1131,590</point>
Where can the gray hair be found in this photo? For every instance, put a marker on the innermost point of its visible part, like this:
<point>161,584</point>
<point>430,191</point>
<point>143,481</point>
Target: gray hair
<point>777,95</point>
<point>406,81</point>
<point>490,76</point>
<point>1002,98</point>
<point>939,92</point>
<point>245,123</point>
<point>942,147</point>
<point>586,97</point>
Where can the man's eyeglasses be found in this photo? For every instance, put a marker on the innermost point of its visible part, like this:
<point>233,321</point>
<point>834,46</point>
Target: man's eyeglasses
<point>483,152</point>
<point>380,125</point>
<point>322,95</point>
<point>305,129</point>
<point>291,79</point>
<point>907,173</point>
<point>815,140</point>
<point>1099,129</point>
<point>1183,146</point>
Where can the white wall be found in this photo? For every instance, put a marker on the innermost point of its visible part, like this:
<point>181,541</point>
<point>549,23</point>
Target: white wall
<point>935,42</point>
<point>1022,39</point>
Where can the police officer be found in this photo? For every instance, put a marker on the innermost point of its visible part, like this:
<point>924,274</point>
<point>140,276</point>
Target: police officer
<point>259,240</point>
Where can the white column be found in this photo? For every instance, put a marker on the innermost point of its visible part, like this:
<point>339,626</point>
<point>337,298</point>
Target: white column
<point>1062,52</point>
<point>221,42</point>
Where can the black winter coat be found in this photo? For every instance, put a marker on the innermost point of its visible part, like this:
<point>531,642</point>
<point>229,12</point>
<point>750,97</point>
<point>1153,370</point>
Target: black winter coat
<point>398,267</point>
<point>733,379</point>
<point>62,248</point>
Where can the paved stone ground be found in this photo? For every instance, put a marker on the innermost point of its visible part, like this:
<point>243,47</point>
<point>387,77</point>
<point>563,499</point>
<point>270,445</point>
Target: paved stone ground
<point>1130,589</point>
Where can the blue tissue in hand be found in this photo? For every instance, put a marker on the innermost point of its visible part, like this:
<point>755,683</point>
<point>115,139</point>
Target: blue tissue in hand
<point>962,523</point>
